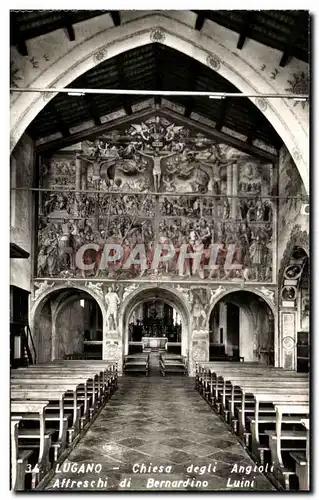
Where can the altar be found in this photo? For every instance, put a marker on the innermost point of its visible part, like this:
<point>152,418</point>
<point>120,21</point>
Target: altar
<point>154,343</point>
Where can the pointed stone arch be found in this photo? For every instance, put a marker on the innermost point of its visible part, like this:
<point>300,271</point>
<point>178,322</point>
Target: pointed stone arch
<point>167,29</point>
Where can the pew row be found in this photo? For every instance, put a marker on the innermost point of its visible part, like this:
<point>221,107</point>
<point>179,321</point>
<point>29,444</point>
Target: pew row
<point>265,407</point>
<point>73,393</point>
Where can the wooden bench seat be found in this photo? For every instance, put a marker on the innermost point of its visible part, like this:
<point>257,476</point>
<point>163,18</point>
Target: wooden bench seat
<point>18,410</point>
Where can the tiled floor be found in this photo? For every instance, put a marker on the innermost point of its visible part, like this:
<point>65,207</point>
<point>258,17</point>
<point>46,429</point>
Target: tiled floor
<point>158,421</point>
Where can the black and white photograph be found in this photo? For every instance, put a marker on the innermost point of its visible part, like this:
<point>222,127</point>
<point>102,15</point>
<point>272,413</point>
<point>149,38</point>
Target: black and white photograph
<point>159,250</point>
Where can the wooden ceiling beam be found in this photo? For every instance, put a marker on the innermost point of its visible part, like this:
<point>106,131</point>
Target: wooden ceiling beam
<point>116,18</point>
<point>90,102</point>
<point>245,32</point>
<point>199,23</point>
<point>63,128</point>
<point>191,86</point>
<point>158,73</point>
<point>123,83</point>
<point>289,49</point>
<point>16,37</point>
<point>143,115</point>
<point>69,28</point>
<point>224,105</point>
<point>253,129</point>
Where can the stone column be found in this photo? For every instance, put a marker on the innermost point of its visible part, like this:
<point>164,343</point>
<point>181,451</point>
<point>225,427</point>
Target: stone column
<point>223,322</point>
<point>199,349</point>
<point>288,340</point>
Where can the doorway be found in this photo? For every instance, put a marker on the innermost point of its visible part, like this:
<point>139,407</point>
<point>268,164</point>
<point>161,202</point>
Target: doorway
<point>242,329</point>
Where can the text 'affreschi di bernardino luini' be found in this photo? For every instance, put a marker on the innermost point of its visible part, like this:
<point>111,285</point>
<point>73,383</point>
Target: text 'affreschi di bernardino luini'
<point>247,481</point>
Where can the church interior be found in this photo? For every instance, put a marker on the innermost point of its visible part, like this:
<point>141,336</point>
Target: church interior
<point>159,250</point>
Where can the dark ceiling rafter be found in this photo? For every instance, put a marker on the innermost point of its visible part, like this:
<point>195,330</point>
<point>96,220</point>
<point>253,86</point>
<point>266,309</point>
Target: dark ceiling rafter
<point>193,71</point>
<point>123,83</point>
<point>63,128</point>
<point>116,17</point>
<point>146,68</point>
<point>199,23</point>
<point>92,107</point>
<point>253,129</point>
<point>289,49</point>
<point>144,115</point>
<point>158,72</point>
<point>16,37</point>
<point>222,113</point>
<point>249,18</point>
<point>69,26</point>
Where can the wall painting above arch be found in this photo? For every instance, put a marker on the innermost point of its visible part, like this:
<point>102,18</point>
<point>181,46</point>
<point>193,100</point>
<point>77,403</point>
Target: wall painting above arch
<point>153,183</point>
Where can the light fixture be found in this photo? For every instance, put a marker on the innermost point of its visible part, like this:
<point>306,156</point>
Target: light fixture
<point>300,99</point>
<point>217,96</point>
<point>76,93</point>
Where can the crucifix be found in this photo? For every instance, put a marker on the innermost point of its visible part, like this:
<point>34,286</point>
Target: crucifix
<point>157,157</point>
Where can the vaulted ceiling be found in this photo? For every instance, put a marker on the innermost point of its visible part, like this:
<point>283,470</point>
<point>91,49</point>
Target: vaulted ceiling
<point>158,67</point>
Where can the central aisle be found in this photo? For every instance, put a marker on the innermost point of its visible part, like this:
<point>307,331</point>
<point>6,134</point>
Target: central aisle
<point>160,421</point>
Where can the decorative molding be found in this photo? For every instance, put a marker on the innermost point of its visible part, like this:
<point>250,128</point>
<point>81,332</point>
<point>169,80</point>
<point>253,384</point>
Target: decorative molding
<point>157,35</point>
<point>213,62</point>
<point>270,294</point>
<point>95,287</point>
<point>100,55</point>
<point>261,104</point>
<point>299,84</point>
<point>14,75</point>
<point>296,154</point>
<point>298,238</point>
<point>288,343</point>
<point>215,292</point>
<point>129,289</point>
<point>42,286</point>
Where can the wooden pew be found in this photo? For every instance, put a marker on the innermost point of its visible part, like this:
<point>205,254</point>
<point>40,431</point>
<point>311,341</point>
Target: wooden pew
<point>137,363</point>
<point>247,388</point>
<point>19,459</point>
<point>302,461</point>
<point>241,382</point>
<point>172,363</point>
<point>21,408</point>
<point>272,395</point>
<point>109,367</point>
<point>56,396</point>
<point>295,408</point>
<point>202,369</point>
<point>223,377</point>
<point>92,384</point>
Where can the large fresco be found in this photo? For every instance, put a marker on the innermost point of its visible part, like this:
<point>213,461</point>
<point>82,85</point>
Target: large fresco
<point>155,190</point>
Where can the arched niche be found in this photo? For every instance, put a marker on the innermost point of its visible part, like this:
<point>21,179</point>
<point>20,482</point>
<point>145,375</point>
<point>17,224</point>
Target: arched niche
<point>48,314</point>
<point>165,28</point>
<point>169,296</point>
<point>246,327</point>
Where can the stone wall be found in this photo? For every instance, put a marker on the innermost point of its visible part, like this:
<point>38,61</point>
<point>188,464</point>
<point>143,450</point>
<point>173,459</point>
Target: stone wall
<point>21,206</point>
<point>289,210</point>
<point>69,330</point>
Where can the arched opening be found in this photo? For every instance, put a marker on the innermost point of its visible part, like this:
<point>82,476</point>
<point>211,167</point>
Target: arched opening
<point>241,328</point>
<point>68,323</point>
<point>157,325</point>
<point>159,319</point>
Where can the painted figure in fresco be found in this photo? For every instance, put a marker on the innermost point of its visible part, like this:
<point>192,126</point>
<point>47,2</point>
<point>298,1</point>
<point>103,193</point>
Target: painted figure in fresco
<point>112,301</point>
<point>97,162</point>
<point>255,253</point>
<point>157,169</point>
<point>199,314</point>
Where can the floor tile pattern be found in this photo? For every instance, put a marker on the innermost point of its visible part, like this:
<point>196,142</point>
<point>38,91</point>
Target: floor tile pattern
<point>157,421</point>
